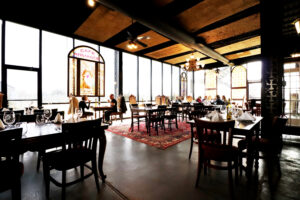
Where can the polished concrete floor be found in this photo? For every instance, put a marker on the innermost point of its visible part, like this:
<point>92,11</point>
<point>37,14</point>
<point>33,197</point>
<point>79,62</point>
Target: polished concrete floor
<point>136,171</point>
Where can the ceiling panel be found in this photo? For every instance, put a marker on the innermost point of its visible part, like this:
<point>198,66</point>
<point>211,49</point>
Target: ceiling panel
<point>233,29</point>
<point>239,45</point>
<point>155,39</point>
<point>168,51</point>
<point>211,11</point>
<point>244,54</point>
<point>102,24</point>
<point>161,3</point>
<point>181,59</point>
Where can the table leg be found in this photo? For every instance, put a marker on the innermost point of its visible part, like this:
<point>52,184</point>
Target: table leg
<point>102,147</point>
<point>192,138</point>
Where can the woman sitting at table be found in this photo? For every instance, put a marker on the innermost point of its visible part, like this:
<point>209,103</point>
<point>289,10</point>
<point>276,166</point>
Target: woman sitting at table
<point>199,99</point>
<point>219,101</point>
<point>113,105</point>
<point>83,105</point>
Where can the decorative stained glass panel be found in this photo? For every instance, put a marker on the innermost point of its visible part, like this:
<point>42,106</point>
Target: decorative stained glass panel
<point>239,77</point>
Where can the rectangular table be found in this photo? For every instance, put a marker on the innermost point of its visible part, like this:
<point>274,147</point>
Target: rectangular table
<point>243,128</point>
<point>42,137</point>
<point>100,109</point>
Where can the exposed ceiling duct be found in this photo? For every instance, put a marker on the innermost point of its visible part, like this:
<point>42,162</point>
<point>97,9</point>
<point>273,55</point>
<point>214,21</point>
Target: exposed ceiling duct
<point>146,15</point>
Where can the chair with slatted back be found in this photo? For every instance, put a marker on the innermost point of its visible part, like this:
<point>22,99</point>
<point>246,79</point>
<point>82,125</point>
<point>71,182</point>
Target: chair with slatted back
<point>136,117</point>
<point>11,169</point>
<point>171,117</point>
<point>156,118</point>
<point>209,150</point>
<point>79,145</point>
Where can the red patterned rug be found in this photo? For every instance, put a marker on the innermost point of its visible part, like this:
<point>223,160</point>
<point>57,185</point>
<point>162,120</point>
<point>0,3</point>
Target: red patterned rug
<point>162,141</point>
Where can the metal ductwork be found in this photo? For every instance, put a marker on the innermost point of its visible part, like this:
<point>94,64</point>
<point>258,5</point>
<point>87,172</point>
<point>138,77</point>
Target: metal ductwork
<point>146,15</point>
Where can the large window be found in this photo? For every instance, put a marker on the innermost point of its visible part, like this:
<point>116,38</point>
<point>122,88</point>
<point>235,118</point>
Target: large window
<point>167,80</point>
<point>156,79</point>
<point>54,70</point>
<point>21,88</point>
<point>210,84</point>
<point>254,80</point>
<point>190,83</point>
<point>239,83</point>
<point>199,84</point>
<point>129,75</point>
<point>175,82</point>
<point>223,82</point>
<point>144,79</point>
<point>21,45</point>
<point>109,59</point>
<point>292,93</point>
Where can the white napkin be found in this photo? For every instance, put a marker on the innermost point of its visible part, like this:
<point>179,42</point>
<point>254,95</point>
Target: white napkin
<point>2,126</point>
<point>246,116</point>
<point>58,119</point>
<point>71,120</point>
<point>5,109</point>
<point>215,116</point>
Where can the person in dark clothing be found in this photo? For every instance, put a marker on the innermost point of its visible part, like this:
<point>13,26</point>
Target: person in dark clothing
<point>113,104</point>
<point>83,105</point>
<point>219,101</point>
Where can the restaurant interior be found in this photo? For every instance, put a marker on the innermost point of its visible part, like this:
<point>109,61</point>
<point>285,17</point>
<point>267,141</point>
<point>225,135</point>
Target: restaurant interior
<point>155,99</point>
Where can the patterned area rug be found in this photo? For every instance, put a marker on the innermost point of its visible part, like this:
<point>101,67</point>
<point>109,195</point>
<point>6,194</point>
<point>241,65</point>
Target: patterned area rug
<point>162,141</point>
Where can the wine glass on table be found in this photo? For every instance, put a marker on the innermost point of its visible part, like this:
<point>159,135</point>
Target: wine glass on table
<point>47,114</point>
<point>9,118</point>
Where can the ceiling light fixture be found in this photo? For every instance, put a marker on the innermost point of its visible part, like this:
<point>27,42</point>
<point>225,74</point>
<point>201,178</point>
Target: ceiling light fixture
<point>192,64</point>
<point>132,45</point>
<point>297,25</point>
<point>91,3</point>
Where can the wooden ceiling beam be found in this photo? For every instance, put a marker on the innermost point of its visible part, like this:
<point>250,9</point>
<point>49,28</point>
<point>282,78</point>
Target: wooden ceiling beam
<point>230,19</point>
<point>156,47</point>
<point>175,56</point>
<point>239,61</point>
<point>235,39</point>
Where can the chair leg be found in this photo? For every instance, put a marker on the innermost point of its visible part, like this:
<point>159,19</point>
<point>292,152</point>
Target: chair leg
<point>46,171</point>
<point>81,172</point>
<point>39,158</point>
<point>230,180</point>
<point>94,167</point>
<point>176,122</point>
<point>138,124</point>
<point>131,124</point>
<point>63,185</point>
<point>236,168</point>
<point>200,163</point>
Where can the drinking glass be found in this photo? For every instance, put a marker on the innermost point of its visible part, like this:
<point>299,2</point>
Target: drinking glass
<point>39,119</point>
<point>9,118</point>
<point>47,114</point>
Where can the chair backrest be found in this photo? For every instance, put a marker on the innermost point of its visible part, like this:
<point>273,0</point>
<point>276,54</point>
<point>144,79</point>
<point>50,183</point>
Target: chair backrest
<point>10,144</point>
<point>158,100</point>
<point>132,99</point>
<point>189,99</point>
<point>81,134</point>
<point>204,128</point>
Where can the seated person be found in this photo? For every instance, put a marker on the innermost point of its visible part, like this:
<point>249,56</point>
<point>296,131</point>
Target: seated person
<point>113,104</point>
<point>218,100</point>
<point>224,100</point>
<point>199,99</point>
<point>83,105</point>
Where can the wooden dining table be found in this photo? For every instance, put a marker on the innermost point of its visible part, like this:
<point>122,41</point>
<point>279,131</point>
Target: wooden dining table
<point>45,136</point>
<point>100,109</point>
<point>248,129</point>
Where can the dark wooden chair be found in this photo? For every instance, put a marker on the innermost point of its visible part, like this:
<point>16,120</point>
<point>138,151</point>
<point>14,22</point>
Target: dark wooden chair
<point>136,117</point>
<point>11,169</point>
<point>79,147</point>
<point>113,116</point>
<point>209,150</point>
<point>268,147</point>
<point>156,118</point>
<point>171,117</point>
